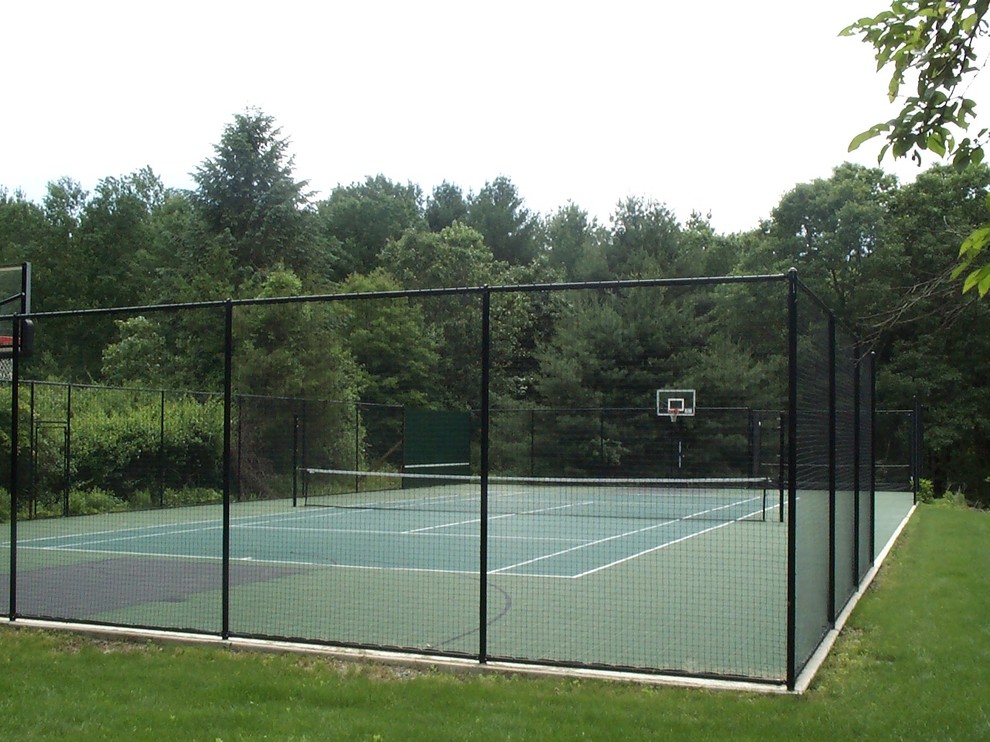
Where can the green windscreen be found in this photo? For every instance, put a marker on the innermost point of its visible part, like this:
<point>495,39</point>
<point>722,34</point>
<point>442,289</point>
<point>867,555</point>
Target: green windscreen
<point>437,442</point>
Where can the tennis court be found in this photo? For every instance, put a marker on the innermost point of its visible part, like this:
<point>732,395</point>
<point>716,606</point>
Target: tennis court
<point>401,566</point>
<point>671,420</point>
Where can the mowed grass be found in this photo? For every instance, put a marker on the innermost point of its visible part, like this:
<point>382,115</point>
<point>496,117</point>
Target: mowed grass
<point>913,663</point>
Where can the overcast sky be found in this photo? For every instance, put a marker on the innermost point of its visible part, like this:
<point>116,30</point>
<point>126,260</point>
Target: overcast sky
<point>719,107</point>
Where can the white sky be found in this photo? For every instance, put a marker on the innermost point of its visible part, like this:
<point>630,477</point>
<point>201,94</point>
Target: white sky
<point>719,106</point>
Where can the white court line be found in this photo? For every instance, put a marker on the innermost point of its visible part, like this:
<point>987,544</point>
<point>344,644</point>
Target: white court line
<point>85,534</point>
<point>168,529</point>
<point>666,544</point>
<point>499,517</point>
<point>252,560</point>
<point>378,532</point>
<point>214,524</point>
<point>626,534</point>
<point>134,537</point>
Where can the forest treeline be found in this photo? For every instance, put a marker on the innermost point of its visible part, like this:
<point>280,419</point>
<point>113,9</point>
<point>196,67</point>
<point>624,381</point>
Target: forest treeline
<point>878,251</point>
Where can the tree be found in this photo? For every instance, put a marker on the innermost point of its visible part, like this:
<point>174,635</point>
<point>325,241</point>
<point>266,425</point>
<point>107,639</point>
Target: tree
<point>833,230</point>
<point>138,357</point>
<point>391,342</point>
<point>511,231</point>
<point>23,229</point>
<point>364,217</point>
<point>936,43</point>
<point>248,190</point>
<point>456,256</point>
<point>645,240</point>
<point>576,244</point>
<point>445,206</point>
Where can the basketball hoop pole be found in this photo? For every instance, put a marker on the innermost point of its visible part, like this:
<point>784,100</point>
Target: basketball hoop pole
<point>673,413</point>
<point>677,403</point>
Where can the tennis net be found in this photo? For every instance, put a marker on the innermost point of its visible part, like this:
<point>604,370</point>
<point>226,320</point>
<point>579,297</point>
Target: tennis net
<point>709,498</point>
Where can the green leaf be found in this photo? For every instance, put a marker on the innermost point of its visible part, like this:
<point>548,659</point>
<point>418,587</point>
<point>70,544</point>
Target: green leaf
<point>984,285</point>
<point>971,280</point>
<point>935,144</point>
<point>976,241</point>
<point>867,135</point>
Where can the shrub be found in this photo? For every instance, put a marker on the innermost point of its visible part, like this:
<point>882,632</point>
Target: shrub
<point>926,490</point>
<point>128,451</point>
<point>92,501</point>
<point>191,496</point>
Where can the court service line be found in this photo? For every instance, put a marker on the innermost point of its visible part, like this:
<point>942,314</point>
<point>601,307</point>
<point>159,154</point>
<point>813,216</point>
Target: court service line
<point>623,535</point>
<point>664,545</point>
<point>135,537</point>
<point>498,517</point>
<point>252,560</point>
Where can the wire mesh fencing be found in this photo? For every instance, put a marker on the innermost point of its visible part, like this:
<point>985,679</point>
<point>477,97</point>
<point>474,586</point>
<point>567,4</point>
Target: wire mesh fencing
<point>486,473</point>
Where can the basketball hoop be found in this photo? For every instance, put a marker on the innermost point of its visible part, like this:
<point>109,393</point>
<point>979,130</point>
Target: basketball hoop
<point>676,403</point>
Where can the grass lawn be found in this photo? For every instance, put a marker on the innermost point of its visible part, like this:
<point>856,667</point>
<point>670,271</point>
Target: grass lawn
<point>912,663</point>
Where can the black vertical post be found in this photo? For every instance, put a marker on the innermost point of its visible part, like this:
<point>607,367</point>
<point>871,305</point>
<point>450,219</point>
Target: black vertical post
<point>161,452</point>
<point>33,474</point>
<point>781,463</point>
<point>832,366</point>
<point>532,443</point>
<point>228,353</point>
<point>485,413</point>
<point>873,453</point>
<point>857,444</point>
<point>601,438</point>
<point>295,459</point>
<point>68,449</point>
<point>14,415</point>
<point>792,406</point>
<point>917,446</point>
<point>240,441</point>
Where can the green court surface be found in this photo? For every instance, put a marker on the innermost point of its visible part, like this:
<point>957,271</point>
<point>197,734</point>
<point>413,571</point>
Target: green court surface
<point>703,591</point>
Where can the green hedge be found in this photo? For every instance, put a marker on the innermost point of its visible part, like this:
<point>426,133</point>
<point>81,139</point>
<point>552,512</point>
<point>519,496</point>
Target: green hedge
<point>125,450</point>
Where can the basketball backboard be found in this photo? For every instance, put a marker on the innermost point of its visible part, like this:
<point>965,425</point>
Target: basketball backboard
<point>676,402</point>
<point>15,299</point>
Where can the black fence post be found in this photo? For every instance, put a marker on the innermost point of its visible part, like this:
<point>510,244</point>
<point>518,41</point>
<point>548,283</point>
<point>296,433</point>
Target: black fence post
<point>917,446</point>
<point>873,453</point>
<point>295,460</point>
<point>161,452</point>
<point>792,391</point>
<point>832,464</point>
<point>68,449</point>
<point>14,415</point>
<point>857,444</point>
<point>485,421</point>
<point>228,352</point>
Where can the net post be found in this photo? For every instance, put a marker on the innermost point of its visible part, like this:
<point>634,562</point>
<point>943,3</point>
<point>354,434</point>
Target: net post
<point>781,462</point>
<point>917,446</point>
<point>295,460</point>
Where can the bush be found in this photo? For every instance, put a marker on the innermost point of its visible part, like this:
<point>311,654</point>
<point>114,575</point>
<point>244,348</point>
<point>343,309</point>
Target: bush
<point>125,449</point>
<point>926,490</point>
<point>92,501</point>
<point>191,496</point>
